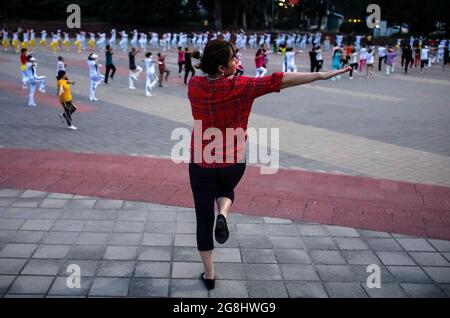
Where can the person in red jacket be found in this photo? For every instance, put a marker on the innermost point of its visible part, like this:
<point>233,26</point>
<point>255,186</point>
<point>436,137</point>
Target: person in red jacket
<point>221,101</point>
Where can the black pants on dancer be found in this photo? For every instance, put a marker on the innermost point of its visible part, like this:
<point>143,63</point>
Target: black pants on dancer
<point>110,68</point>
<point>69,109</point>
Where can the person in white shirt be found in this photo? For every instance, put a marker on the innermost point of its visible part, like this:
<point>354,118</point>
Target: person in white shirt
<point>382,54</point>
<point>60,66</point>
<point>424,55</point>
<point>370,58</point>
<point>353,63</point>
<point>362,57</point>
<point>94,76</point>
<point>290,60</point>
<point>151,77</point>
<point>34,80</point>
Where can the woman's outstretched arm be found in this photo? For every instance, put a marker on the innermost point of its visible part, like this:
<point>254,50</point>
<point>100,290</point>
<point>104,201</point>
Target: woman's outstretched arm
<point>295,79</point>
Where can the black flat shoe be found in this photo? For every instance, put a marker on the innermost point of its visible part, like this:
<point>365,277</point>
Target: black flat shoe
<point>221,232</point>
<point>209,283</point>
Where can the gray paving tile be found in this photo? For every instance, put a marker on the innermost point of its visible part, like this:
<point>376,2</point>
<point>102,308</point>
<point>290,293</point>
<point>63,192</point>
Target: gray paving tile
<point>263,272</point>
<point>52,251</point>
<point>185,240</point>
<point>335,273</point>
<point>45,214</point>
<point>33,194</point>
<point>4,193</point>
<point>188,288</point>
<point>440,275</point>
<point>384,244</point>
<point>419,245</point>
<point>270,220</point>
<point>135,205</point>
<point>187,269</point>
<point>27,237</point>
<point>108,204</point>
<point>345,243</point>
<point>121,253</point>
<point>187,254</point>
<point>339,231</point>
<point>267,289</point>
<point>429,259</point>
<point>16,250</point>
<point>101,215</point>
<point>153,269</point>
<point>53,203</point>
<point>373,234</point>
<point>8,236</point>
<point>160,227</point>
<point>116,269</point>
<point>68,226</point>
<point>110,286</point>
<point>189,217</point>
<point>186,228</point>
<point>363,273</point>
<point>251,229</point>
<point>306,290</point>
<point>132,216</point>
<point>258,256</point>
<point>232,271</point>
<point>42,267</point>
<point>37,225</point>
<point>423,290</point>
<point>5,282</point>
<point>126,239</point>
<point>254,241</point>
<point>409,274</point>
<point>11,266</point>
<point>23,296</point>
<point>230,289</point>
<point>445,288</point>
<point>99,226</point>
<point>312,229</point>
<point>59,196</point>
<point>286,242</point>
<point>129,227</point>
<point>386,291</point>
<point>294,256</point>
<point>227,255</point>
<point>149,287</point>
<point>281,230</point>
<point>395,258</point>
<point>447,256</point>
<point>159,216</point>
<point>299,272</point>
<point>87,268</point>
<point>80,204</point>
<point>10,224</point>
<point>345,290</point>
<point>26,203</point>
<point>61,287</point>
<point>157,239</point>
<point>238,218</point>
<point>87,252</point>
<point>319,243</point>
<point>6,202</point>
<point>155,254</point>
<point>31,285</point>
<point>326,257</point>
<point>361,257</point>
<point>441,245</point>
<point>88,238</point>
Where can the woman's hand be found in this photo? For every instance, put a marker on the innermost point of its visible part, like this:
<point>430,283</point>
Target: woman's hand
<point>328,75</point>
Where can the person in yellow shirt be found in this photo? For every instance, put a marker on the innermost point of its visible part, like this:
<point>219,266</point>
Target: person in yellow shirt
<point>65,98</point>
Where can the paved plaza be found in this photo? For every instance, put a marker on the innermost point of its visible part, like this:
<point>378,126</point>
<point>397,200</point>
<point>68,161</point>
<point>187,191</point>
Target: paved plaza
<point>364,179</point>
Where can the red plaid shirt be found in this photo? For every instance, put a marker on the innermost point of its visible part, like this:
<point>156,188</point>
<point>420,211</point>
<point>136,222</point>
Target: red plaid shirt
<point>224,103</point>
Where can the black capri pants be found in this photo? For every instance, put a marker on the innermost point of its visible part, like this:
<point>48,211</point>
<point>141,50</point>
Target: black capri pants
<point>207,185</point>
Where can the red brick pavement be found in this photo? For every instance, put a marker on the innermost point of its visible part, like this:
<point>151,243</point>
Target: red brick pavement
<point>358,202</point>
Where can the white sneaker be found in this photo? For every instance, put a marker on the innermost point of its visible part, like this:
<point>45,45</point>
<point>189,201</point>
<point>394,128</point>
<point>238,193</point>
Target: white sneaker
<point>132,88</point>
<point>72,127</point>
<point>148,94</point>
<point>42,91</point>
<point>351,78</point>
<point>93,99</point>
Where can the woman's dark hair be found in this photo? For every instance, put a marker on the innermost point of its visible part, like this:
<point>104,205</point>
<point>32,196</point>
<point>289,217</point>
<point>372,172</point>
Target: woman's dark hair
<point>148,54</point>
<point>216,53</point>
<point>61,74</point>
<point>258,52</point>
<point>108,47</point>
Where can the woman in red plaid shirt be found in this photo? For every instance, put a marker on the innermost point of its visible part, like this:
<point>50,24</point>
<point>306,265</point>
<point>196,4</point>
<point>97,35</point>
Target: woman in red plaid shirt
<point>222,103</point>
